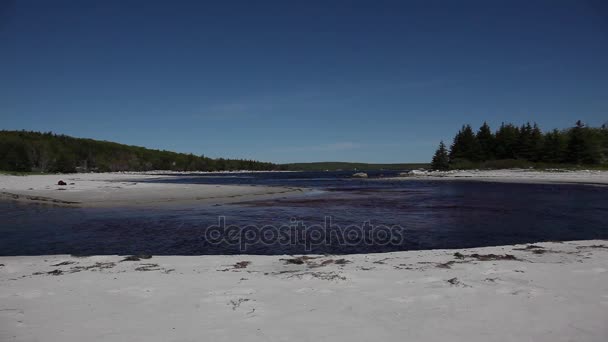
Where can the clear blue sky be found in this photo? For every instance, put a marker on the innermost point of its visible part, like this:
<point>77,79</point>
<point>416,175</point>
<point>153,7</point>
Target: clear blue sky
<point>287,81</point>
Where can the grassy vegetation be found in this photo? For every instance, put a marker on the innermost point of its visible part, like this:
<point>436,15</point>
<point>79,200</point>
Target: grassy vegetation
<point>336,166</point>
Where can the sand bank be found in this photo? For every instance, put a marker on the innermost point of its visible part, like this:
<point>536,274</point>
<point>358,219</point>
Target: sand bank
<point>126,189</point>
<point>541,292</point>
<point>514,176</point>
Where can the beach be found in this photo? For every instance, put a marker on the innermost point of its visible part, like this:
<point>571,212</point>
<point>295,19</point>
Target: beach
<point>535,292</point>
<point>127,189</point>
<point>546,291</point>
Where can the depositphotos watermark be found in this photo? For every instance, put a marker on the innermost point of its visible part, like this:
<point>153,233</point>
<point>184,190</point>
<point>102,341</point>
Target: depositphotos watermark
<point>297,233</point>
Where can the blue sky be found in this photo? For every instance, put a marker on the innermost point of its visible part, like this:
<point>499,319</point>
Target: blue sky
<point>287,81</point>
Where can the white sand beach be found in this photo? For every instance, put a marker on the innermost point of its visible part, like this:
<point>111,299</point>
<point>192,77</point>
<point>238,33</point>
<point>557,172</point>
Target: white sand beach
<point>590,177</point>
<point>541,292</point>
<point>126,189</point>
<point>537,292</point>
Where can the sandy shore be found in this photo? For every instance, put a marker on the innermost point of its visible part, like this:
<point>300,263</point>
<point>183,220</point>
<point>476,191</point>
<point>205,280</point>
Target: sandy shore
<point>514,176</point>
<point>541,292</point>
<point>126,189</point>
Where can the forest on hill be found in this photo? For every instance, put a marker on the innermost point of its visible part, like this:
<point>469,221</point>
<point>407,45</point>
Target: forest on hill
<point>524,146</point>
<point>23,151</point>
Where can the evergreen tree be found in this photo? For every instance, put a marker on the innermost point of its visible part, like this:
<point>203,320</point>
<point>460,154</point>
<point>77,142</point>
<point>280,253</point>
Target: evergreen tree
<point>555,144</point>
<point>441,159</point>
<point>487,142</point>
<point>523,148</point>
<point>603,133</point>
<point>506,141</point>
<point>583,145</point>
<point>536,143</point>
<point>465,145</point>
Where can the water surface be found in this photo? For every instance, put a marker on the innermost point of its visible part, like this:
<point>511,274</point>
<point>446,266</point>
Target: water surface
<point>427,214</point>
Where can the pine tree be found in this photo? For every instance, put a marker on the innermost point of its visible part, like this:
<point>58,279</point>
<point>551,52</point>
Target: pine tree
<point>441,159</point>
<point>465,145</point>
<point>506,141</point>
<point>555,144</point>
<point>576,143</point>
<point>583,145</point>
<point>536,143</point>
<point>487,142</point>
<point>524,142</point>
<point>456,150</point>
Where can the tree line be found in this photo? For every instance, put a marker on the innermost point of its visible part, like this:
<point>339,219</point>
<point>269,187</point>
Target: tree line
<point>24,151</point>
<point>510,145</point>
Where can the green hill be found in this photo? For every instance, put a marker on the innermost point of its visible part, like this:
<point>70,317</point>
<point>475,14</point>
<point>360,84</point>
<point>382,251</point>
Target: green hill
<point>22,151</point>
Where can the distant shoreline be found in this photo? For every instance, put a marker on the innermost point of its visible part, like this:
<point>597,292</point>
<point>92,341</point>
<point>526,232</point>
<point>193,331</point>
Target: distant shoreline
<point>582,177</point>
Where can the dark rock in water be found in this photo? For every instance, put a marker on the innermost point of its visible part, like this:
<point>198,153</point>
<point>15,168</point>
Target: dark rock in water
<point>62,183</point>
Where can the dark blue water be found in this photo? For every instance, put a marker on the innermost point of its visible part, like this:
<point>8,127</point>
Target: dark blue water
<point>401,215</point>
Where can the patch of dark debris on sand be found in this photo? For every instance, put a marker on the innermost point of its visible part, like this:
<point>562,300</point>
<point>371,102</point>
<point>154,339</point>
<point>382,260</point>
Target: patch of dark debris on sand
<point>242,264</point>
<point>298,260</point>
<point>340,262</point>
<point>382,261</point>
<point>593,247</point>
<point>319,275</point>
<point>137,257</point>
<point>55,272</point>
<point>532,248</point>
<point>363,268</point>
<point>447,265</point>
<point>406,267</point>
<point>64,263</point>
<point>236,303</point>
<point>424,265</point>
<point>281,272</point>
<point>485,257</point>
<point>312,261</point>
<point>455,282</point>
<point>237,266</point>
<point>98,266</point>
<point>148,267</point>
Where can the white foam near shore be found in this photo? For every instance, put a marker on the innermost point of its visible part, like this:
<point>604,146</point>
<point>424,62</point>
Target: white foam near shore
<point>542,292</point>
<point>513,176</point>
<point>126,189</point>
